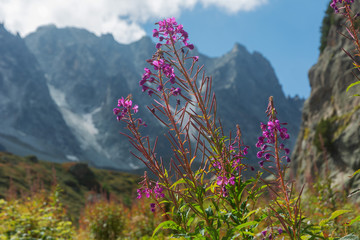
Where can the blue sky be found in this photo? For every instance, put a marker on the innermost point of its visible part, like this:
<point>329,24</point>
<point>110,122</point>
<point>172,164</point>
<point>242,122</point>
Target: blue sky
<point>286,32</point>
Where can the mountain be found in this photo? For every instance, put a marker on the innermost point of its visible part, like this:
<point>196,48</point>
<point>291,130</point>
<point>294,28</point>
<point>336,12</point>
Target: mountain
<point>85,74</point>
<point>30,120</point>
<point>243,92</point>
<point>329,137</point>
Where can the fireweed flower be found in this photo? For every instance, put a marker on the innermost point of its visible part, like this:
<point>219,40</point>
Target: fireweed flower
<point>271,132</point>
<point>223,160</point>
<point>148,190</point>
<point>175,91</point>
<point>152,207</point>
<point>224,181</point>
<point>143,190</point>
<point>227,167</point>
<point>125,108</point>
<point>169,32</point>
<point>334,3</point>
<point>158,191</point>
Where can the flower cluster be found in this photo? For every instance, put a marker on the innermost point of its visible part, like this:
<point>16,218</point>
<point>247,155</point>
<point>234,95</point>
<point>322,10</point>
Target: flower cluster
<point>170,33</point>
<point>231,162</point>
<point>237,155</point>
<point>159,65</point>
<point>123,112</point>
<point>156,190</point>
<point>334,3</point>
<point>152,207</point>
<point>268,141</point>
<point>223,182</point>
<point>270,236</point>
<point>124,107</point>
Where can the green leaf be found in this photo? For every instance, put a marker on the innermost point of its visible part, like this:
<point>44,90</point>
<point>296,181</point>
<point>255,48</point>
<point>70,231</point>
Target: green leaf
<point>247,224</point>
<point>250,213</point>
<point>192,160</point>
<point>182,180</point>
<point>357,219</point>
<point>338,213</point>
<point>358,171</point>
<point>333,216</point>
<point>351,85</point>
<point>211,187</point>
<point>306,237</point>
<point>350,237</point>
<point>198,208</point>
<point>167,225</point>
<point>248,233</point>
<point>190,220</point>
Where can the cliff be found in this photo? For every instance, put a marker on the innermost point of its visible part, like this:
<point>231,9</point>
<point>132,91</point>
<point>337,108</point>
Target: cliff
<point>329,139</point>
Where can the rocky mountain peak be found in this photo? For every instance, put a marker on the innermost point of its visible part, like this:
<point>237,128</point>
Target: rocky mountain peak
<point>239,49</point>
<point>86,74</point>
<point>31,122</point>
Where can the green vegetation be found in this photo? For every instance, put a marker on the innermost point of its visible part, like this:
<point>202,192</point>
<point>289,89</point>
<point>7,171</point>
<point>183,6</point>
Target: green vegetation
<point>331,128</point>
<point>44,200</point>
<point>323,135</point>
<point>332,213</point>
<point>328,21</point>
<point>36,209</point>
<point>20,176</point>
<point>40,216</point>
<point>103,220</point>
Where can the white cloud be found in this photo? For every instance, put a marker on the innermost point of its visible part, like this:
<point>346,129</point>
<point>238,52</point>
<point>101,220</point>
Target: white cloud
<point>122,18</point>
<point>234,6</point>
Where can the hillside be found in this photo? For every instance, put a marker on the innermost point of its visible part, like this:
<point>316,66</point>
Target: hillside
<point>20,176</point>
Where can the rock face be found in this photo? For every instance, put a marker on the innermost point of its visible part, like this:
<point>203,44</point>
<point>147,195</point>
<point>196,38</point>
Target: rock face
<point>243,92</point>
<point>329,137</point>
<point>30,120</point>
<point>86,74</point>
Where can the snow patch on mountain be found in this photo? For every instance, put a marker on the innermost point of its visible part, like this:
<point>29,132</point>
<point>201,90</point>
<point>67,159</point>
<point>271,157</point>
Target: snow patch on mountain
<point>81,124</point>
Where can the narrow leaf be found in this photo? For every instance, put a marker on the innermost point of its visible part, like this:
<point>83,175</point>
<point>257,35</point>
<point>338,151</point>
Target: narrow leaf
<point>358,171</point>
<point>166,225</point>
<point>306,237</point>
<point>244,225</point>
<point>350,237</point>
<point>250,213</point>
<point>338,213</point>
<point>357,219</point>
<point>351,85</point>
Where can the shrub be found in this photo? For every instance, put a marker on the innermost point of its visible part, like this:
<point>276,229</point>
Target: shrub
<point>328,21</point>
<point>323,135</point>
<point>40,216</point>
<point>103,219</point>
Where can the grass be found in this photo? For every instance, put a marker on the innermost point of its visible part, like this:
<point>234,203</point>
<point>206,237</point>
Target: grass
<point>89,208</point>
<point>20,176</point>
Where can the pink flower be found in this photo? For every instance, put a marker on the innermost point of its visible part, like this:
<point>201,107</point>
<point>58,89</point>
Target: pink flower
<point>136,108</point>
